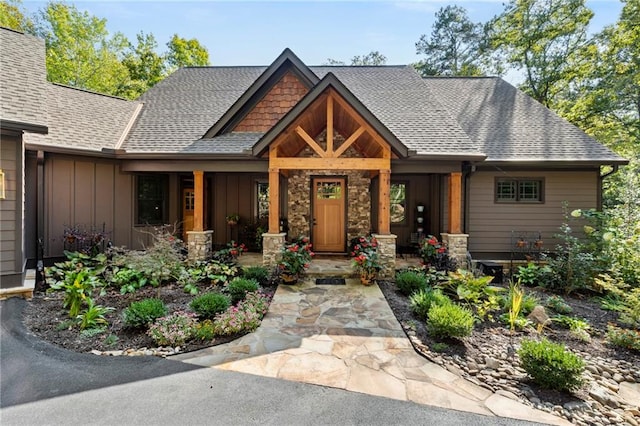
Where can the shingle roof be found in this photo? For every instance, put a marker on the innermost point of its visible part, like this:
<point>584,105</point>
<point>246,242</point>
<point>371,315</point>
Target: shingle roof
<point>84,120</point>
<point>508,125</point>
<point>23,79</point>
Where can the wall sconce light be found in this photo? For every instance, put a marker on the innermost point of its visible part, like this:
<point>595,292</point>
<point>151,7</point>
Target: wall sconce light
<point>2,185</point>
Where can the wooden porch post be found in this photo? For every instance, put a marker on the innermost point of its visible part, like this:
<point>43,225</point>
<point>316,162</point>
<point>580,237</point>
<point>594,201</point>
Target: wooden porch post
<point>198,205</point>
<point>455,202</point>
<point>274,201</point>
<point>384,203</point>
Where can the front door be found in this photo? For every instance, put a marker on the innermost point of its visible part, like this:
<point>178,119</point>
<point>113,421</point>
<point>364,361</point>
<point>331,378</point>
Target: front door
<point>188,200</point>
<point>329,197</point>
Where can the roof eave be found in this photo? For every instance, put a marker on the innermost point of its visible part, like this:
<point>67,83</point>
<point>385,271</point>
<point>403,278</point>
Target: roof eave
<point>21,126</point>
<point>558,162</point>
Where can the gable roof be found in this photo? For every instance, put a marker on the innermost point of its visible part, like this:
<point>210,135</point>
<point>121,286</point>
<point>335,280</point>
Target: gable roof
<point>510,126</point>
<point>83,120</point>
<point>21,68</point>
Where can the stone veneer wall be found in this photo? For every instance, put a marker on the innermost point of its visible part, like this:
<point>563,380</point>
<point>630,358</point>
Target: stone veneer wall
<point>358,192</point>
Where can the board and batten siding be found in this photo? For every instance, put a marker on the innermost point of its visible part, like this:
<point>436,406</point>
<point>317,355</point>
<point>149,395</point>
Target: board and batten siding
<point>86,193</point>
<point>490,224</point>
<point>11,208</point>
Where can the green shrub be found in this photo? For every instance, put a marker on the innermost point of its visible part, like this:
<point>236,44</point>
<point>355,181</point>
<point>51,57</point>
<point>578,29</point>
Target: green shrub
<point>623,337</point>
<point>209,305</point>
<point>409,282</point>
<point>450,320</point>
<point>175,329</point>
<point>557,304</point>
<point>258,273</point>
<point>533,275</point>
<point>243,318</point>
<point>474,291</point>
<point>144,312</point>
<point>239,287</point>
<point>422,301</point>
<point>551,365</point>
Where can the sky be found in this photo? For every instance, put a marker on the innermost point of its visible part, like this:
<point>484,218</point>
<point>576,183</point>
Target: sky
<point>256,32</point>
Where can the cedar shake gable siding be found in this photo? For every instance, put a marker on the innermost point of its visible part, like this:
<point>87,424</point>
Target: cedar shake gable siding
<point>277,102</point>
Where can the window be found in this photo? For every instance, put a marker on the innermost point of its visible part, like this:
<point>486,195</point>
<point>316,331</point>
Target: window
<point>519,190</point>
<point>262,193</point>
<point>151,193</point>
<point>398,202</point>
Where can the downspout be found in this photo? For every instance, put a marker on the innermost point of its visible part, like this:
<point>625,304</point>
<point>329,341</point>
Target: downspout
<point>40,278</point>
<point>601,179</point>
<point>468,169</point>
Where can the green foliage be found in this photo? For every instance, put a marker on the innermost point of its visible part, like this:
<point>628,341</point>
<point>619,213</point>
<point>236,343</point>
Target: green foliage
<point>450,320</point>
<point>185,53</point>
<point>373,58</point>
<point>75,262</point>
<point>205,330</point>
<point>435,255</point>
<point>627,301</point>
<point>129,280</point>
<point>146,67</point>
<point>534,275</point>
<point>239,287</point>
<point>454,47</point>
<point>542,38</point>
<point>410,282</point>
<point>78,287</point>
<point>110,340</point>
<point>551,365</point>
<point>174,329</point>
<point>422,301</point>
<point>579,327</point>
<point>515,298</point>
<point>520,323</point>
<point>89,333</point>
<point>295,257</point>
<point>439,347</point>
<point>245,317</point>
<point>13,16</point>
<point>93,316</point>
<point>625,338</point>
<point>209,305</point>
<point>557,304</point>
<point>473,291</point>
<point>144,312</point>
<point>257,273</point>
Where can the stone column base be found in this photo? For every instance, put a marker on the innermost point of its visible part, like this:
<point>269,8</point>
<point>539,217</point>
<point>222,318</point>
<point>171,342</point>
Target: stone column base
<point>272,245</point>
<point>387,253</point>
<point>457,246</point>
<point>200,245</point>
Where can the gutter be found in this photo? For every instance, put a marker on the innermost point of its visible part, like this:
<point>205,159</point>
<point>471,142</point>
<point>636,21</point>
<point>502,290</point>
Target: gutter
<point>601,179</point>
<point>468,169</point>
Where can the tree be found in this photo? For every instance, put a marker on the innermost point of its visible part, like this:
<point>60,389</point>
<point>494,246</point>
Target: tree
<point>186,53</point>
<point>374,58</point>
<point>12,16</point>
<point>146,67</point>
<point>80,52</point>
<point>454,47</point>
<point>541,37</point>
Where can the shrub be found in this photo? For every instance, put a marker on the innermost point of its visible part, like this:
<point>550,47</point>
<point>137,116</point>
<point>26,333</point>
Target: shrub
<point>558,304</point>
<point>257,273</point>
<point>210,304</point>
<point>128,280</point>
<point>623,337</point>
<point>475,291</point>
<point>78,288</point>
<point>450,320</point>
<point>144,312</point>
<point>174,330</point>
<point>551,365</point>
<point>533,275</point>
<point>409,282</point>
<point>422,301</point>
<point>244,317</point>
<point>205,330</point>
<point>239,287</point>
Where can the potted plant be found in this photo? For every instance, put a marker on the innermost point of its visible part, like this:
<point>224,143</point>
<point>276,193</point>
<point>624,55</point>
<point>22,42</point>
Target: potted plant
<point>294,259</point>
<point>366,260</point>
<point>431,250</point>
<point>232,219</point>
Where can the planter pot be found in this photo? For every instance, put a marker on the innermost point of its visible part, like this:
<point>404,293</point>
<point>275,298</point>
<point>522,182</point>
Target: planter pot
<point>232,222</point>
<point>368,277</point>
<point>289,279</point>
<point>420,219</point>
<point>420,209</point>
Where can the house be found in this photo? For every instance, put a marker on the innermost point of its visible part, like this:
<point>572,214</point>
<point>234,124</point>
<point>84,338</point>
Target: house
<point>332,152</point>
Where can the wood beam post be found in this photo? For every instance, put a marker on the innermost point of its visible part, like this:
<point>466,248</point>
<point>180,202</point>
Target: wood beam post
<point>384,203</point>
<point>198,205</point>
<point>330,124</point>
<point>274,201</point>
<point>455,203</point>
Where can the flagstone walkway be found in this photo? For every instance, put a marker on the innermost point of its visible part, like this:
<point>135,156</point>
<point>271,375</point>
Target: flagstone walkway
<point>346,336</point>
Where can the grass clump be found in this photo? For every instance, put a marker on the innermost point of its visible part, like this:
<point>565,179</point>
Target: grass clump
<point>258,273</point>
<point>209,305</point>
<point>409,282</point>
<point>449,320</point>
<point>239,287</point>
<point>142,313</point>
<point>551,365</point>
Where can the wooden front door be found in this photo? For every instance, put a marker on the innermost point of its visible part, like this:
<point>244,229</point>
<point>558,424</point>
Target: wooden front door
<point>329,197</point>
<point>188,205</point>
